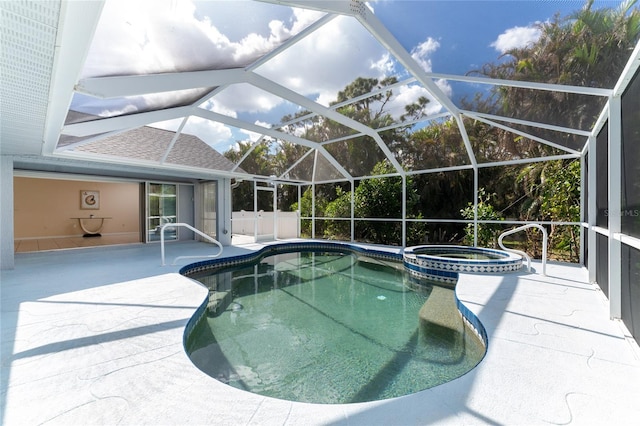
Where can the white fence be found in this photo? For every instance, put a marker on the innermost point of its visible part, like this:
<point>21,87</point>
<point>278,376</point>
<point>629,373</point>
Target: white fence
<point>260,225</point>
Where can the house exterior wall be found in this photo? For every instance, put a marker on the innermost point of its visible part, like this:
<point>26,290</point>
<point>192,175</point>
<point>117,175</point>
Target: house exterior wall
<point>6,212</point>
<point>45,207</point>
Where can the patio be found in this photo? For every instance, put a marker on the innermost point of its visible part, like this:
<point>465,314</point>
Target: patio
<point>94,336</point>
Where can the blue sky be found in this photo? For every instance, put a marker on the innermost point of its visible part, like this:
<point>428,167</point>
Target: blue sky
<point>150,36</point>
<point>467,29</point>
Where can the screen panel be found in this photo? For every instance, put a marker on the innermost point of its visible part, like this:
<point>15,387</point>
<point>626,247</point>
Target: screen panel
<point>630,220</point>
<point>630,284</point>
<point>602,177</point>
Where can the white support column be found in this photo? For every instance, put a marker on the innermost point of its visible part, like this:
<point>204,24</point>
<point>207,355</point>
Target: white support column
<point>404,210</point>
<point>275,211</point>
<point>255,211</point>
<point>615,206</point>
<point>353,210</point>
<point>224,209</point>
<point>299,212</point>
<point>475,206</point>
<point>583,209</point>
<point>592,208</point>
<point>313,210</point>
<point>6,213</point>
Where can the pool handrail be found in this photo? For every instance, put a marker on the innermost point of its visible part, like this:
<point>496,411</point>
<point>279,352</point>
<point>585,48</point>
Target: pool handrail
<point>202,234</point>
<point>523,254</point>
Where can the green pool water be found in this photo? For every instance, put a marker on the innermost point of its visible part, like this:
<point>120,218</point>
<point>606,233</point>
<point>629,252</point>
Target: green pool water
<point>330,328</point>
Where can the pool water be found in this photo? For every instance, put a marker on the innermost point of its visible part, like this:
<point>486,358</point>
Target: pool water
<point>330,328</point>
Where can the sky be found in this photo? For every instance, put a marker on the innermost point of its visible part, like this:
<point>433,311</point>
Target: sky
<point>157,36</point>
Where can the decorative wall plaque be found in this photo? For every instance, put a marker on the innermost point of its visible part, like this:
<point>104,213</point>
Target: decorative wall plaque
<point>89,200</point>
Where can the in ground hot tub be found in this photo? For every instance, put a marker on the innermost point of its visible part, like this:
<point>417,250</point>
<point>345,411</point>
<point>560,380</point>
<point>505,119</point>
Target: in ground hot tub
<point>443,263</point>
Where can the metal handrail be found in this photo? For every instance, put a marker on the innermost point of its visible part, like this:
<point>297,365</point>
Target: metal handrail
<point>525,255</point>
<point>186,225</point>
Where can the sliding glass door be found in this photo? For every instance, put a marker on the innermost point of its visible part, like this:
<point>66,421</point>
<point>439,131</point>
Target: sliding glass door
<point>161,209</point>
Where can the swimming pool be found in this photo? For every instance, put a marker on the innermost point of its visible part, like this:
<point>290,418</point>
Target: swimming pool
<point>328,324</point>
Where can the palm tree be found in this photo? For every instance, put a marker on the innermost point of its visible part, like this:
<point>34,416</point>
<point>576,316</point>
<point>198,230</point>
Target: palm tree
<point>587,48</point>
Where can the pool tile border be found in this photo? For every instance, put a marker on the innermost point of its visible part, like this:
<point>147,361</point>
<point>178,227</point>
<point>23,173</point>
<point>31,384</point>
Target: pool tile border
<point>419,262</point>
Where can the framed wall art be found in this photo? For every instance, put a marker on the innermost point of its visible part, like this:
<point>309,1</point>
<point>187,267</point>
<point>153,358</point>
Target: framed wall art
<point>89,200</point>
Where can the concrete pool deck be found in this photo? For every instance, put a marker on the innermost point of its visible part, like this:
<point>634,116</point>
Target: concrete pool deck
<point>94,336</point>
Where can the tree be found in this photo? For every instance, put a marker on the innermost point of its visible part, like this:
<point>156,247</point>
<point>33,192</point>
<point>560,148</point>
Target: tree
<point>306,210</point>
<point>339,208</point>
<point>587,48</point>
<point>487,232</point>
<point>559,195</point>
<point>374,198</point>
<point>380,198</point>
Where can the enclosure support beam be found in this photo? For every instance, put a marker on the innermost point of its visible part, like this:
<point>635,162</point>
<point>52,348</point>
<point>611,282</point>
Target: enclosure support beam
<point>313,210</point>
<point>404,211</point>
<point>6,213</point>
<point>475,207</point>
<point>275,211</point>
<point>299,212</point>
<point>353,210</point>
<point>615,206</point>
<point>224,212</point>
<point>78,22</point>
<point>255,211</point>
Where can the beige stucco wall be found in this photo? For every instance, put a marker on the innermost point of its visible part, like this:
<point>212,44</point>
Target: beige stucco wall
<point>44,207</point>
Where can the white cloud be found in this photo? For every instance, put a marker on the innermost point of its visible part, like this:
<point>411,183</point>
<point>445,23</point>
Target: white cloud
<point>128,109</point>
<point>246,98</point>
<point>326,61</point>
<point>406,95</point>
<point>422,52</point>
<point>214,106</point>
<point>302,18</point>
<point>168,125</point>
<point>252,136</point>
<point>515,38</point>
<point>445,87</point>
<point>151,36</point>
<point>384,66</point>
<point>212,133</point>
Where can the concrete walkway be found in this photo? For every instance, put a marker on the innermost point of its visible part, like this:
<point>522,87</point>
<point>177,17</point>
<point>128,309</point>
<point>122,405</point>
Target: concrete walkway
<point>94,336</point>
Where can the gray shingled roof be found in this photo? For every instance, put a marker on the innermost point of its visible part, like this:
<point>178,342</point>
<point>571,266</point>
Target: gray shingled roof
<point>151,144</point>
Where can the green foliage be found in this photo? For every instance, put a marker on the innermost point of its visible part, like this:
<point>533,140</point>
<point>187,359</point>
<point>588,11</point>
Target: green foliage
<point>339,208</point>
<point>306,210</point>
<point>560,193</point>
<point>242,196</point>
<point>487,232</point>
<point>377,198</point>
